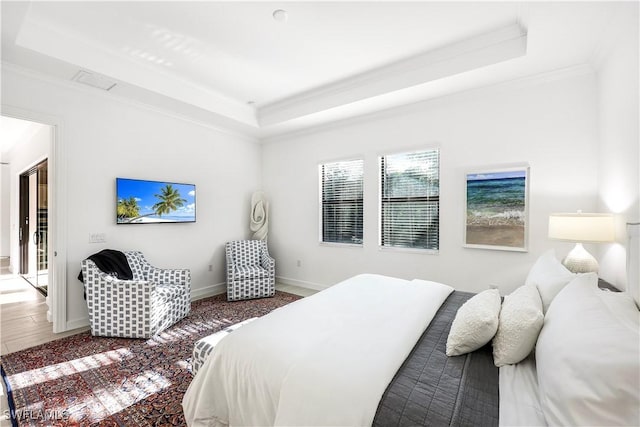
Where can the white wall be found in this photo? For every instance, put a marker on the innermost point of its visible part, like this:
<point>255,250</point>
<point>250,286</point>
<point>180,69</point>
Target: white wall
<point>25,154</point>
<point>619,154</point>
<point>549,122</point>
<point>107,138</point>
<point>5,178</point>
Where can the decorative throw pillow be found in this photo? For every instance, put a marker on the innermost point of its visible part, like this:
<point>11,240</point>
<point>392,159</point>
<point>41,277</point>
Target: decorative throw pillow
<point>475,323</point>
<point>520,322</point>
<point>549,276</point>
<point>588,357</point>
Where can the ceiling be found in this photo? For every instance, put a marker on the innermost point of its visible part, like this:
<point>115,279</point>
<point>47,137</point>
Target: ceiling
<point>232,65</point>
<point>13,131</point>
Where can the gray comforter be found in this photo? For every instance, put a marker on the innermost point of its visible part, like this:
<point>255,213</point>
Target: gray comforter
<point>432,389</point>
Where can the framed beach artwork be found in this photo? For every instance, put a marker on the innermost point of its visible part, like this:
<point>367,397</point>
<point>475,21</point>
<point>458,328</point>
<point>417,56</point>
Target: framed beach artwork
<point>497,211</point>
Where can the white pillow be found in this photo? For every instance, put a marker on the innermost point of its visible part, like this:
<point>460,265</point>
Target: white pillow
<point>521,319</point>
<point>549,276</point>
<point>588,357</point>
<point>475,323</point>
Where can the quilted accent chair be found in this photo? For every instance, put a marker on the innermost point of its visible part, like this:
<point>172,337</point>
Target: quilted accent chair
<point>251,272</point>
<point>139,308</point>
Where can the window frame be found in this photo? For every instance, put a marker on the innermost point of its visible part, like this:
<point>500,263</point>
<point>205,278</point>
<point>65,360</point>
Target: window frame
<point>321,203</point>
<point>382,247</point>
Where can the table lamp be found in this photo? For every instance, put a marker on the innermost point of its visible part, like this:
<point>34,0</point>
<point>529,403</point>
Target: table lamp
<point>581,228</point>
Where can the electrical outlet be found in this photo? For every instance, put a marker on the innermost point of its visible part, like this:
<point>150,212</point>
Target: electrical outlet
<point>210,267</point>
<point>299,263</point>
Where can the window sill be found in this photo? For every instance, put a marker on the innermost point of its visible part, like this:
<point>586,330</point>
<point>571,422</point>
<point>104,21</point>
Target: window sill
<point>341,245</point>
<point>409,250</point>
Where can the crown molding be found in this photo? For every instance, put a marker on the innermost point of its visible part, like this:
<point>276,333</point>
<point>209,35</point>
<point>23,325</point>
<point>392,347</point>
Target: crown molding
<point>487,90</point>
<point>263,136</point>
<point>486,49</point>
<point>40,36</point>
<point>244,132</point>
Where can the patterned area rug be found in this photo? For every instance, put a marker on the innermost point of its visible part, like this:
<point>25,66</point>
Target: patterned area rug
<point>85,380</point>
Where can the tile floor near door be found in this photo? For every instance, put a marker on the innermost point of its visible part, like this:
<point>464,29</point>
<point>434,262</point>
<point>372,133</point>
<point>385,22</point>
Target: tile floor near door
<point>23,316</point>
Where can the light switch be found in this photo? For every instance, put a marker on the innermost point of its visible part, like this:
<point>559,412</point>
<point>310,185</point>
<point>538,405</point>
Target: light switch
<point>97,238</point>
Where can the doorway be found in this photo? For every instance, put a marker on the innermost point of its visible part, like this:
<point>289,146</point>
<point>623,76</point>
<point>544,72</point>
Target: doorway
<point>20,158</point>
<point>33,232</point>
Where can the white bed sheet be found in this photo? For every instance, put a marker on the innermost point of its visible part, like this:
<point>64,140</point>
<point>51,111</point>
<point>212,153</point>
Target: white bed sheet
<point>323,360</point>
<point>519,401</point>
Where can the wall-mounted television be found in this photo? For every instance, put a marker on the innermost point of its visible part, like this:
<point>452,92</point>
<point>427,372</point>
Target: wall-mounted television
<point>147,202</point>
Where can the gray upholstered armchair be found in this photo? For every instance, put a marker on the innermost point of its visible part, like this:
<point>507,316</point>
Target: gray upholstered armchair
<point>251,272</point>
<point>139,308</point>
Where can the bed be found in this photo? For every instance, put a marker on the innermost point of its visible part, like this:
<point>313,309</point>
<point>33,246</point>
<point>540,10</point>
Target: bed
<point>257,374</point>
<point>338,358</point>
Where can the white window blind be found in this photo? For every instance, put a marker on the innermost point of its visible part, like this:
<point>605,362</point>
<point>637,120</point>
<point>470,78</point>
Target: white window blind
<point>410,200</point>
<point>342,201</point>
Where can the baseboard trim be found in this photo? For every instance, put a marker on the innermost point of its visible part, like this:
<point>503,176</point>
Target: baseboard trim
<point>77,324</point>
<point>208,291</point>
<point>301,283</point>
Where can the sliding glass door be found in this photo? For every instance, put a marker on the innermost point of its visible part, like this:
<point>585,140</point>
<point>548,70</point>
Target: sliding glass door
<point>34,229</point>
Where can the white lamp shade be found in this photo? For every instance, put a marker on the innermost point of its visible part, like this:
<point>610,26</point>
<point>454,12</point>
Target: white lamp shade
<point>581,227</point>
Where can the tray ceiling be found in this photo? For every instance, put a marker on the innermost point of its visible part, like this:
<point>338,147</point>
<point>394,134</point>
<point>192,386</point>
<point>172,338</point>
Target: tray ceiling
<point>231,64</point>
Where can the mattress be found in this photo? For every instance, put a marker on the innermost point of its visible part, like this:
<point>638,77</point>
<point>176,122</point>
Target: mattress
<point>432,389</point>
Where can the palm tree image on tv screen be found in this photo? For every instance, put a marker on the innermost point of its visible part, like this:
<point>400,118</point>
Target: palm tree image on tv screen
<point>143,202</point>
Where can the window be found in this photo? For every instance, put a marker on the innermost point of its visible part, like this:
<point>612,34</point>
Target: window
<point>342,202</point>
<point>410,200</point>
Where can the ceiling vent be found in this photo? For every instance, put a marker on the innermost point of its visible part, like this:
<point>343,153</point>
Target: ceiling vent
<point>94,80</point>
